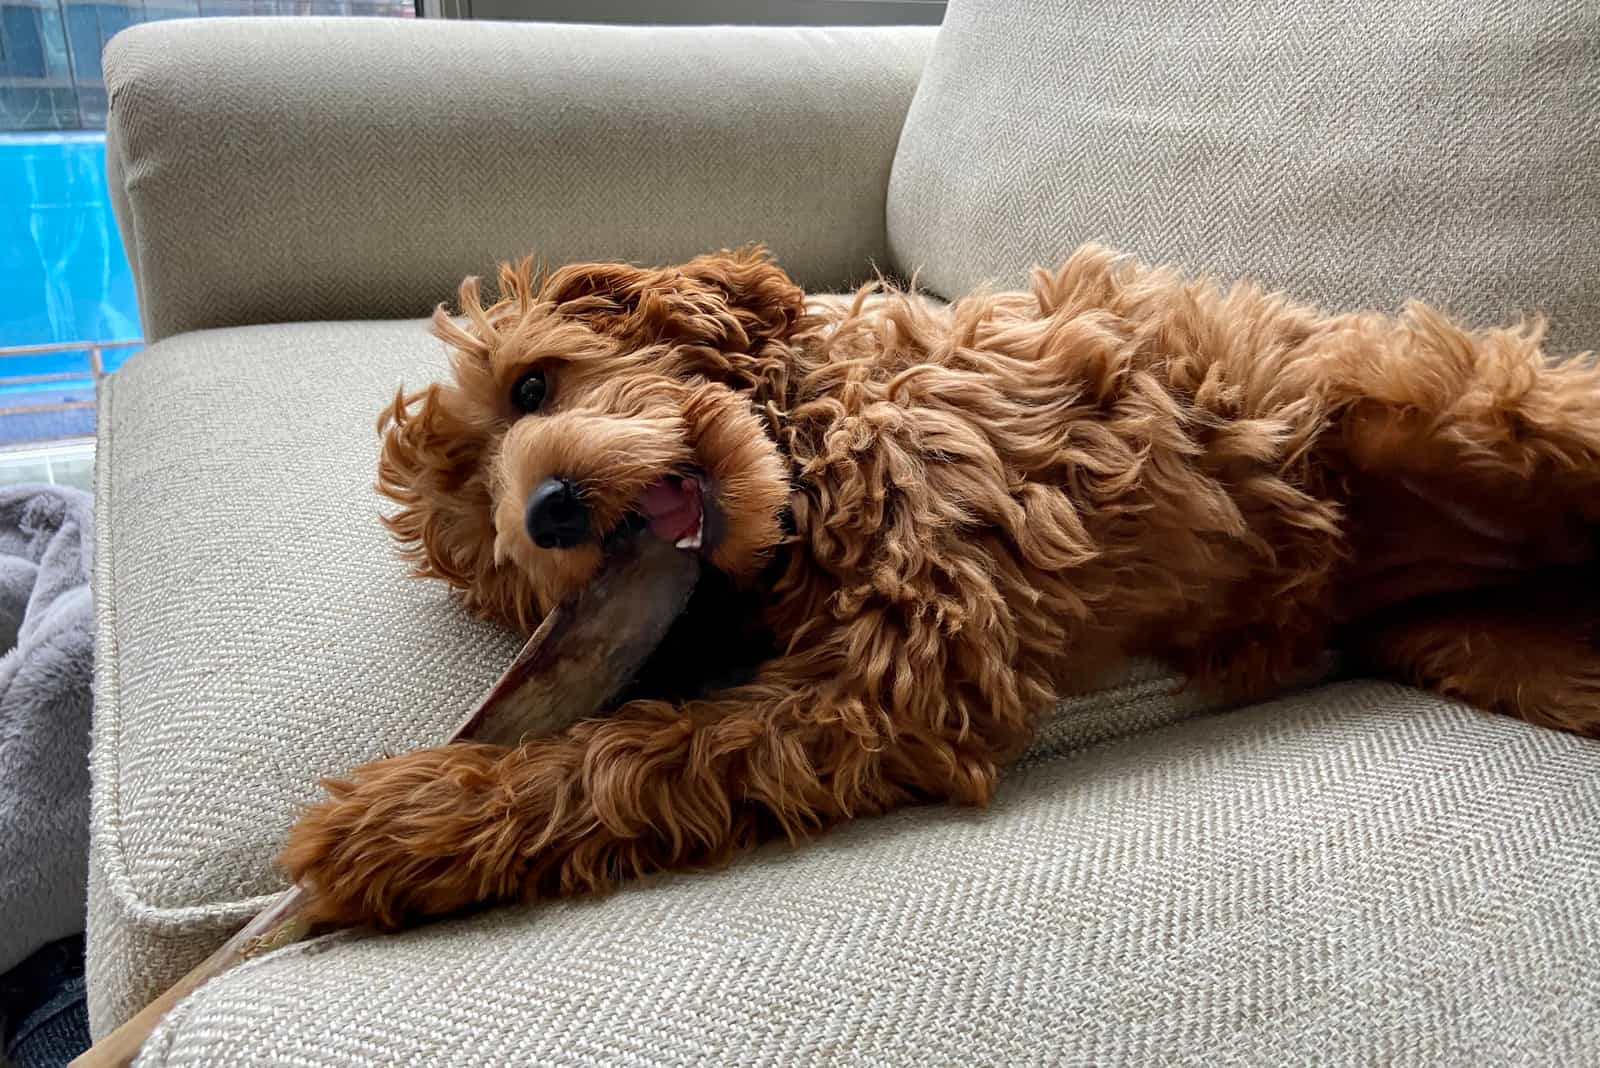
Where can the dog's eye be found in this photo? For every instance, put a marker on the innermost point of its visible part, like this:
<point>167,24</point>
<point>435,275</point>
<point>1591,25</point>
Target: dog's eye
<point>528,393</point>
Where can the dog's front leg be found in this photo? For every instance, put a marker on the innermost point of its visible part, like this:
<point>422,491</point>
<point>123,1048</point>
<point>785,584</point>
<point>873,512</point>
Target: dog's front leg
<point>648,788</point>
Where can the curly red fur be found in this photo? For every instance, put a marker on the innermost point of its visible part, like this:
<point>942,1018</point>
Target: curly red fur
<point>990,503</point>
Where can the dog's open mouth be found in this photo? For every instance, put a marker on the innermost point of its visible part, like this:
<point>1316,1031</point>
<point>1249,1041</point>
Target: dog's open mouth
<point>681,511</point>
<point>719,637</point>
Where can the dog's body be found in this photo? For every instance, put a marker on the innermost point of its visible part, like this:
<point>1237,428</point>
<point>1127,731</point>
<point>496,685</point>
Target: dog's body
<point>939,521</point>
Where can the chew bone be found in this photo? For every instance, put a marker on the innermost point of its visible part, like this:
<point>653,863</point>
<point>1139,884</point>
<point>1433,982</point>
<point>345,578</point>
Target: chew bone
<point>584,652</point>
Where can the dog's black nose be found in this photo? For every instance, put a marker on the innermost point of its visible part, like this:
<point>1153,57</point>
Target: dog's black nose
<point>557,518</point>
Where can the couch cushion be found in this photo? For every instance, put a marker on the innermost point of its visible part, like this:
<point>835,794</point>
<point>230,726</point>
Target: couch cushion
<point>366,165</point>
<point>1355,875</point>
<point>255,628</point>
<point>1353,153</point>
<point>257,631</point>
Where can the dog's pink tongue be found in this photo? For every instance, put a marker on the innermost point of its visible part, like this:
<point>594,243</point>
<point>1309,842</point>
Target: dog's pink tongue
<point>672,507</point>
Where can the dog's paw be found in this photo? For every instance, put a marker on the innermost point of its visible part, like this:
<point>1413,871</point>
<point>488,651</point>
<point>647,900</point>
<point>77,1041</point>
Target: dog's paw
<point>407,838</point>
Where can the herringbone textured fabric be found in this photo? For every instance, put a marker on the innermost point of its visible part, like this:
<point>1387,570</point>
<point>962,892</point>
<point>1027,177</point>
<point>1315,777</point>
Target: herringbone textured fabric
<point>256,630</point>
<point>297,169</point>
<point>1355,153</point>
<point>1355,875</point>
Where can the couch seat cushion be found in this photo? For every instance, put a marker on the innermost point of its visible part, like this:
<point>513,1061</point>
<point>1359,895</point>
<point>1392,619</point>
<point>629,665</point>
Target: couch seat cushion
<point>1357,874</point>
<point>255,628</point>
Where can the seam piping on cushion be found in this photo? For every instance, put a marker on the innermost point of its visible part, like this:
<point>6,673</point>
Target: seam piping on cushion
<point>108,714</point>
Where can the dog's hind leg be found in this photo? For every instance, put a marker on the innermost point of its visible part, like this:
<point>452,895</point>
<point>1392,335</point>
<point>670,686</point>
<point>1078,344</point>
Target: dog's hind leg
<point>1486,418</point>
<point>1473,471</point>
<point>1526,649</point>
<point>1469,456</point>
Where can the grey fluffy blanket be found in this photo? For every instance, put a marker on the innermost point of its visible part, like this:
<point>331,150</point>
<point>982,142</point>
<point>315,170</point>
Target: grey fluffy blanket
<point>47,630</point>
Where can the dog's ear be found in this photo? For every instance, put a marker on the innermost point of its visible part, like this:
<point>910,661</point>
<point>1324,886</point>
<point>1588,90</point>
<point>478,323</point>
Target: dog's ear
<point>734,301</point>
<point>766,300</point>
<point>433,465</point>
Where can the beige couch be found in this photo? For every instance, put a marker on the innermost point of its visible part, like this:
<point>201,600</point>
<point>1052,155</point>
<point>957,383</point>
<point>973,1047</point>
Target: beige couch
<point>1354,874</point>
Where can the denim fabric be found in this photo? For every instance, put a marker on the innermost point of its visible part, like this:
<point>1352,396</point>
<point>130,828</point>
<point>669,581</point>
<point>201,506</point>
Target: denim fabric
<point>44,1017</point>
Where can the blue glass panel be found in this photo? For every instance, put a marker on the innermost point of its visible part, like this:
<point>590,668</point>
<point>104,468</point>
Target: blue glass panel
<point>63,274</point>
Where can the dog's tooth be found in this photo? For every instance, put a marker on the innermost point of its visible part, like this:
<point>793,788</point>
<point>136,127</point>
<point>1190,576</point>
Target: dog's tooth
<point>692,541</point>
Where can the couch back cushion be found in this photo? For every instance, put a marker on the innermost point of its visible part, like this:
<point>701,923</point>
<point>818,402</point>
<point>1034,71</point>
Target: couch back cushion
<point>283,170</point>
<point>1354,152</point>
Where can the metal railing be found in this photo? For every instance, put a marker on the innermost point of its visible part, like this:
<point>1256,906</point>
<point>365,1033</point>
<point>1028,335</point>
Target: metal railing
<point>96,372</point>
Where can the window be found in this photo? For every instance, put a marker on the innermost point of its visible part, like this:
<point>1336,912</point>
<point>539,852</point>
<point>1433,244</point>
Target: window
<point>67,308</point>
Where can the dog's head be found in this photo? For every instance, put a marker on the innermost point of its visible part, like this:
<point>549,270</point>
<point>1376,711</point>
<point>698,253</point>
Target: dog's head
<point>585,406</point>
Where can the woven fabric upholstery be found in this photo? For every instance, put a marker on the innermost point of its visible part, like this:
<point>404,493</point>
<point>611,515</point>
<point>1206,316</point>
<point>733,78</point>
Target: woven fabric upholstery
<point>296,169</point>
<point>1359,874</point>
<point>1355,153</point>
<point>256,630</point>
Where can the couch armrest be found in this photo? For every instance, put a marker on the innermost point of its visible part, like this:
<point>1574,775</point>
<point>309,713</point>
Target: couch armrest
<point>269,170</point>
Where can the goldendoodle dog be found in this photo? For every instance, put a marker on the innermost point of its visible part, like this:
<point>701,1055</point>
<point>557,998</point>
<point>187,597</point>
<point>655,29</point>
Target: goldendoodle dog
<point>921,526</point>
